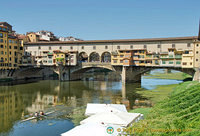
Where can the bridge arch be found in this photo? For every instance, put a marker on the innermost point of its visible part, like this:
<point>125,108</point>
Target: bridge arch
<point>83,57</point>
<point>94,57</point>
<point>106,57</point>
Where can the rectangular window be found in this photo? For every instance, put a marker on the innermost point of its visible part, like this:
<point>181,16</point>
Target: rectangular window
<point>178,62</point>
<point>71,47</point>
<point>131,46</point>
<point>184,63</point>
<point>1,46</point>
<point>126,61</point>
<point>118,47</point>
<point>94,47</point>
<point>121,56</point>
<point>145,46</point>
<point>1,40</point>
<point>106,47</point>
<point>115,61</point>
<point>121,61</point>
<point>60,47</point>
<point>82,47</point>
<point>115,56</point>
<point>1,35</point>
<point>188,45</point>
<point>173,45</point>
<point>186,52</point>
<point>38,47</point>
<point>171,62</point>
<point>15,47</point>
<point>49,61</point>
<point>163,62</point>
<point>158,46</point>
<point>49,47</point>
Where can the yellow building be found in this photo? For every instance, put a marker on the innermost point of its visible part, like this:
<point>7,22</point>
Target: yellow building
<point>139,56</point>
<point>4,48</point>
<point>60,57</point>
<point>11,50</point>
<point>188,59</point>
<point>33,37</point>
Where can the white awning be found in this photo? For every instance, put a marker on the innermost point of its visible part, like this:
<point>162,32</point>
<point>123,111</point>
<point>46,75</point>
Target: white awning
<point>94,129</point>
<point>93,108</point>
<point>116,118</point>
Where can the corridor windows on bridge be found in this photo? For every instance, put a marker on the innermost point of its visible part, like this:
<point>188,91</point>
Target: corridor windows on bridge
<point>158,46</point>
<point>118,47</point>
<point>60,47</point>
<point>94,57</point>
<point>39,47</point>
<point>49,47</point>
<point>94,47</point>
<point>71,48</point>
<point>106,57</point>
<point>82,47</point>
<point>145,46</point>
<point>131,46</point>
<point>188,45</point>
<point>83,57</point>
<point>173,45</point>
<point>106,47</point>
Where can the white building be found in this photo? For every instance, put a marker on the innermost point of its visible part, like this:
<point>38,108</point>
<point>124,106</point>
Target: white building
<point>70,38</point>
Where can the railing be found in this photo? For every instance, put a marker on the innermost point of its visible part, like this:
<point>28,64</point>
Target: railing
<point>94,64</point>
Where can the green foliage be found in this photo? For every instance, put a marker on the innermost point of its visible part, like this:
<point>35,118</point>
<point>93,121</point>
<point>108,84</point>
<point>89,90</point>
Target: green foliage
<point>176,76</point>
<point>144,111</point>
<point>179,114</point>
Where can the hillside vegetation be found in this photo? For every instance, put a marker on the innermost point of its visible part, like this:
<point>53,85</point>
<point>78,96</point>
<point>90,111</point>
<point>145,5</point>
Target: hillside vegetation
<point>179,114</point>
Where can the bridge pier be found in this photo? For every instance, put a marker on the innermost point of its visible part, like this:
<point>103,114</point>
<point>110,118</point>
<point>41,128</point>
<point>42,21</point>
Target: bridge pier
<point>196,76</point>
<point>130,75</point>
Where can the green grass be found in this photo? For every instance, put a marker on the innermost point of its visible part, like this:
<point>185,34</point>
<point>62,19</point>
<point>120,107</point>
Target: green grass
<point>177,76</point>
<point>144,111</point>
<point>177,115</point>
<point>158,94</point>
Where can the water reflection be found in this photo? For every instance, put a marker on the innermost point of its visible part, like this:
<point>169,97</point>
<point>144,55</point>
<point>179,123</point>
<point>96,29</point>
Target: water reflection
<point>19,100</point>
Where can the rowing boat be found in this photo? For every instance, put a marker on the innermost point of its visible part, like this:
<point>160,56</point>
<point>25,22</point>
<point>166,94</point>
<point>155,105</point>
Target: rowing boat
<point>35,117</point>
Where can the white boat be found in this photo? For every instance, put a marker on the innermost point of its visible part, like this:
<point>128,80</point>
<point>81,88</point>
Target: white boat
<point>35,117</point>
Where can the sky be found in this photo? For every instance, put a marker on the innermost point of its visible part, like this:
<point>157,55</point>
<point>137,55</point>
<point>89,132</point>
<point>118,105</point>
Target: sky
<point>104,19</point>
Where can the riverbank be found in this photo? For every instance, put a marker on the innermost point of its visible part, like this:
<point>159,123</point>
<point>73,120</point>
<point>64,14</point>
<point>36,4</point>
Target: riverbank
<point>174,75</point>
<point>177,114</point>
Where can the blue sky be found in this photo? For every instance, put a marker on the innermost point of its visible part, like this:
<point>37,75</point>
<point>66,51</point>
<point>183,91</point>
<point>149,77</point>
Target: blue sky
<point>104,19</point>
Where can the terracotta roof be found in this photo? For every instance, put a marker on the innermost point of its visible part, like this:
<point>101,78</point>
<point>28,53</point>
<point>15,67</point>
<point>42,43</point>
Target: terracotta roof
<point>21,36</point>
<point>116,41</point>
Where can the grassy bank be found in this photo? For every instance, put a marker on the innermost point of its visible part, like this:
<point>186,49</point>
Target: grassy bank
<point>158,94</point>
<point>178,114</point>
<point>176,76</point>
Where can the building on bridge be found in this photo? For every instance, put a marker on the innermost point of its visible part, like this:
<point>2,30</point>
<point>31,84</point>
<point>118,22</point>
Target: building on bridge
<point>180,53</point>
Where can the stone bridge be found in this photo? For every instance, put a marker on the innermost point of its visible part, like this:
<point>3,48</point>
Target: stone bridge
<point>68,73</point>
<point>127,73</point>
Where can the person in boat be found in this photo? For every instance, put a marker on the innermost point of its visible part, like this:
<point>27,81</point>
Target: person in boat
<point>36,114</point>
<point>42,113</point>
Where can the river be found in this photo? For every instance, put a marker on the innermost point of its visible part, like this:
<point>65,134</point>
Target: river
<point>18,101</point>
